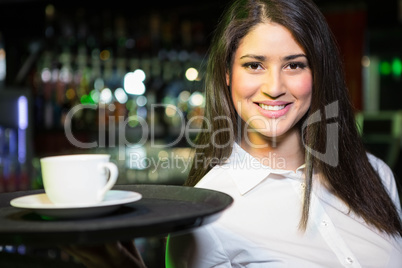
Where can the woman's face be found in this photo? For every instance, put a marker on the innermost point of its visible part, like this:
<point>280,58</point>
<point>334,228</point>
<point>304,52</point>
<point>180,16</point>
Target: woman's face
<point>271,81</point>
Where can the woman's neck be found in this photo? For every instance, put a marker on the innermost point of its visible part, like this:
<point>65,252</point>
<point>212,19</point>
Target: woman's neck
<point>284,152</point>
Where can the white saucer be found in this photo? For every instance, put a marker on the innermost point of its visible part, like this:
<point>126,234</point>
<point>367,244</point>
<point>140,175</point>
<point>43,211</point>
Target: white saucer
<point>41,204</point>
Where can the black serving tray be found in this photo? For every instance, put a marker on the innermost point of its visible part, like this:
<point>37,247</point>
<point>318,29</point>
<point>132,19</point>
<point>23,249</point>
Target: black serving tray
<point>163,209</point>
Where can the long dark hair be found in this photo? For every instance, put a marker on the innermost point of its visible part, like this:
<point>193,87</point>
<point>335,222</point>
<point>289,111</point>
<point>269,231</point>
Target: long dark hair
<point>346,169</point>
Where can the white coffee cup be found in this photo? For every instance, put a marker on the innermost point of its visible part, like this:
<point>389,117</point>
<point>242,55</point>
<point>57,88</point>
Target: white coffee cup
<point>81,179</point>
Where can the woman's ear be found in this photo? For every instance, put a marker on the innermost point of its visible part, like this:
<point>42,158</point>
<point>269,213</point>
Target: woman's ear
<point>227,79</point>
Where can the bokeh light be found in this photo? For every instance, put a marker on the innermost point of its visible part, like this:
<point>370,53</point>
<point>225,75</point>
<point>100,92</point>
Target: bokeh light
<point>170,110</point>
<point>106,95</point>
<point>134,82</point>
<point>196,99</point>
<point>70,94</point>
<point>104,55</point>
<point>141,100</point>
<point>184,96</point>
<point>191,74</point>
<point>120,95</point>
<point>365,61</point>
<point>99,83</point>
<point>95,95</point>
<point>396,67</point>
<point>46,75</point>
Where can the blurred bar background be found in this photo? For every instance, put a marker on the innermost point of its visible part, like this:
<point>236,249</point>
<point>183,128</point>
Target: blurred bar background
<point>127,79</point>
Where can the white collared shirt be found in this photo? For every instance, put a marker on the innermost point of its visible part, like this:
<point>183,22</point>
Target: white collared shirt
<point>260,229</point>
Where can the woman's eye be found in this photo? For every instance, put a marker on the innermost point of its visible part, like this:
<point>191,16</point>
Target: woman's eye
<point>296,65</point>
<point>253,65</point>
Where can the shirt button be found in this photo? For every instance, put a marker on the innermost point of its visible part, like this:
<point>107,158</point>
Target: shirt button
<point>349,260</point>
<point>303,185</point>
<point>325,223</point>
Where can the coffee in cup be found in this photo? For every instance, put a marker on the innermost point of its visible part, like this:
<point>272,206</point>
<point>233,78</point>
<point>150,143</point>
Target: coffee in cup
<point>81,179</point>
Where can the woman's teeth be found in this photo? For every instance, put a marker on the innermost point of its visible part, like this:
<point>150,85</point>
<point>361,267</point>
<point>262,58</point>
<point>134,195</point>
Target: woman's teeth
<point>272,108</point>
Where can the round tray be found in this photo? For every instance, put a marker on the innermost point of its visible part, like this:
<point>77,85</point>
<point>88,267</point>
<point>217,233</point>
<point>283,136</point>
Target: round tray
<point>163,209</point>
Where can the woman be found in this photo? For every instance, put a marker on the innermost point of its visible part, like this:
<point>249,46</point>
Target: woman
<point>306,193</point>
<point>282,142</point>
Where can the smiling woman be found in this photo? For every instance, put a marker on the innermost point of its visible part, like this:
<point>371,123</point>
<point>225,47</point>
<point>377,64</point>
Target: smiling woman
<point>271,87</point>
<point>274,71</point>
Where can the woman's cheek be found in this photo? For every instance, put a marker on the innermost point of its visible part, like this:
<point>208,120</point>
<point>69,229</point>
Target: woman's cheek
<point>301,87</point>
<point>247,87</point>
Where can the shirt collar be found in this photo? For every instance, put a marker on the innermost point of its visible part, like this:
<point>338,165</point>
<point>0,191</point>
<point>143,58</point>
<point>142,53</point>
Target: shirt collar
<point>247,172</point>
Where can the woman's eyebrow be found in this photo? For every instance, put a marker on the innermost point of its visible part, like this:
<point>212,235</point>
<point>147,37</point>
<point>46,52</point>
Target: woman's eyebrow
<point>263,58</point>
<point>295,56</point>
<point>253,56</point>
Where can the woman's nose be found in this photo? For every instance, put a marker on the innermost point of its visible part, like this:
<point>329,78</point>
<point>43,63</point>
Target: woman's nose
<point>272,85</point>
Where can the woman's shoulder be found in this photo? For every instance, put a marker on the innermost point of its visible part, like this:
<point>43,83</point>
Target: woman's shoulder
<point>387,177</point>
<point>383,170</point>
<point>211,176</point>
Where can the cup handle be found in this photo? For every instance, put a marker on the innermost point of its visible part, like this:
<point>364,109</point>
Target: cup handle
<point>113,173</point>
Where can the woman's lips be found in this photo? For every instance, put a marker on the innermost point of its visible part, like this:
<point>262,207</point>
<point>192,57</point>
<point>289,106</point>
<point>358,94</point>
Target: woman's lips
<point>273,110</point>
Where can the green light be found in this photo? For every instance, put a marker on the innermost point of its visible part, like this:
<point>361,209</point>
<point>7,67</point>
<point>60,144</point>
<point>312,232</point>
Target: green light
<point>397,67</point>
<point>130,105</point>
<point>83,99</point>
<point>168,262</point>
<point>385,68</point>
<point>86,99</point>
